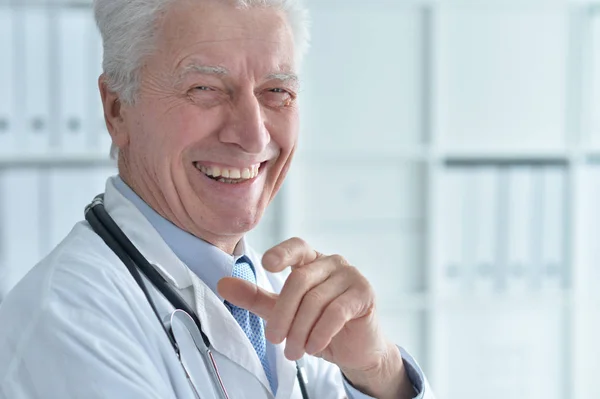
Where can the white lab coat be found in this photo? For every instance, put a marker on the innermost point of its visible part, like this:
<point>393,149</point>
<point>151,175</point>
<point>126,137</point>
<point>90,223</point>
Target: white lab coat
<point>78,326</point>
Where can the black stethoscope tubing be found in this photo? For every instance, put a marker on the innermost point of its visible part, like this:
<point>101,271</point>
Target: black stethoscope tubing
<point>103,224</point>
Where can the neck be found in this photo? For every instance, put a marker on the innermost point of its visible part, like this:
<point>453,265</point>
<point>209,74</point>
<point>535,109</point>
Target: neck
<point>226,243</point>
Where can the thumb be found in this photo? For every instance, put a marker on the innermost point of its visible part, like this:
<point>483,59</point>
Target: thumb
<point>246,295</point>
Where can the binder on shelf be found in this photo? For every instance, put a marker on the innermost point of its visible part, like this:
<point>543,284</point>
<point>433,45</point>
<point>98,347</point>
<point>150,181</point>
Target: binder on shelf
<point>520,230</point>
<point>595,100</point>
<point>592,231</point>
<point>73,123</point>
<point>451,273</point>
<point>37,78</point>
<point>483,230</point>
<point>553,271</point>
<point>19,224</point>
<point>8,115</point>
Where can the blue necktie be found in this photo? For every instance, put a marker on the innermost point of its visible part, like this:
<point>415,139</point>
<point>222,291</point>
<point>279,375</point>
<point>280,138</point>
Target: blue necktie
<point>251,324</point>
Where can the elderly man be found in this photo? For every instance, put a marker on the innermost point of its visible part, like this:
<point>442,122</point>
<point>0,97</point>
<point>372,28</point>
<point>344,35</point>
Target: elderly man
<point>200,101</point>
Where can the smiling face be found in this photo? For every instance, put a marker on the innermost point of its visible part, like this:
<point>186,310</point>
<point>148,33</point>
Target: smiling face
<point>210,138</point>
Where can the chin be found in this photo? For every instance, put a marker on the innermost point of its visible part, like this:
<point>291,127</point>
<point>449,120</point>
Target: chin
<point>238,223</point>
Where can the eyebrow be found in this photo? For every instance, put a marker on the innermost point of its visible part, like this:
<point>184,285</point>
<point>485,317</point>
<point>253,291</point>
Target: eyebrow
<point>205,70</point>
<point>284,77</point>
<point>222,71</point>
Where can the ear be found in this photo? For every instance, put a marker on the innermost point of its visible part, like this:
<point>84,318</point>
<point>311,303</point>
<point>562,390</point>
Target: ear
<point>113,114</point>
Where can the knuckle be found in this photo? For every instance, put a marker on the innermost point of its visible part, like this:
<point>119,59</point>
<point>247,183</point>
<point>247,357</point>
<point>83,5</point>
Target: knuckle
<point>301,278</point>
<point>338,309</point>
<point>364,286</point>
<point>297,242</point>
<point>358,279</point>
<point>300,241</point>
<point>339,259</point>
<point>353,275</point>
<point>365,300</point>
<point>313,298</point>
<point>287,251</point>
<point>355,271</point>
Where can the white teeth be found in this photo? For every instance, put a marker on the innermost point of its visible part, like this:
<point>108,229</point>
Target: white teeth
<point>229,181</point>
<point>230,175</point>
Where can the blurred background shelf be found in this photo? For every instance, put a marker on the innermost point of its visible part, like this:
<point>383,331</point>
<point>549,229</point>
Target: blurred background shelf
<point>415,302</point>
<point>381,156</point>
<point>553,299</point>
<point>54,160</point>
<point>508,155</point>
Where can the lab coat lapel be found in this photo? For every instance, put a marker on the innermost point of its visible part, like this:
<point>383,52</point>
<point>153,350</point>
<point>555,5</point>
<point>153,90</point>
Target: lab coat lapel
<point>224,333</point>
<point>146,239</point>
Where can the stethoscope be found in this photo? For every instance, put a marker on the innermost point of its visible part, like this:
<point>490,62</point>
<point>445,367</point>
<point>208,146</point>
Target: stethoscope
<point>183,327</point>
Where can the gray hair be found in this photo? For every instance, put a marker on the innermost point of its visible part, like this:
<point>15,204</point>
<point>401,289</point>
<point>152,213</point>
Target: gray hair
<point>128,29</point>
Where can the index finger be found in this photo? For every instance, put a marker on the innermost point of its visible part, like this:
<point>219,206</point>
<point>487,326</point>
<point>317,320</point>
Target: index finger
<point>246,295</point>
<point>294,252</point>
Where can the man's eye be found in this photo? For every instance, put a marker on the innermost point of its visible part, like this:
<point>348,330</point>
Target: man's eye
<point>277,98</point>
<point>203,88</point>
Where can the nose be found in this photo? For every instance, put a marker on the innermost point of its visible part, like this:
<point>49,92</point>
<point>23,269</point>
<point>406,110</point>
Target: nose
<point>246,127</point>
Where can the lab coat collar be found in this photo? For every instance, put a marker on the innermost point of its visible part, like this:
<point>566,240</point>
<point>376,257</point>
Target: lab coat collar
<point>145,237</point>
<point>223,331</point>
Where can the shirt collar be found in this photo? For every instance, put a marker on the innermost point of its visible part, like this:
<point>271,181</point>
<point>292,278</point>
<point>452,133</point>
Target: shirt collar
<point>205,260</point>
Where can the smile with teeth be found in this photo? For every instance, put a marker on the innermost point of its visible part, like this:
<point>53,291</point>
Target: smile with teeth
<point>229,175</point>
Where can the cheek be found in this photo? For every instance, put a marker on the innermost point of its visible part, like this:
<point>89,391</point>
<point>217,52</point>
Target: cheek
<point>177,129</point>
<point>284,132</point>
<point>192,125</point>
<point>285,136</point>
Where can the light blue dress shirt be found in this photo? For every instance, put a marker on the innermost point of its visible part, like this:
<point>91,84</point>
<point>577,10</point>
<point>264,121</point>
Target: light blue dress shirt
<point>197,254</point>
